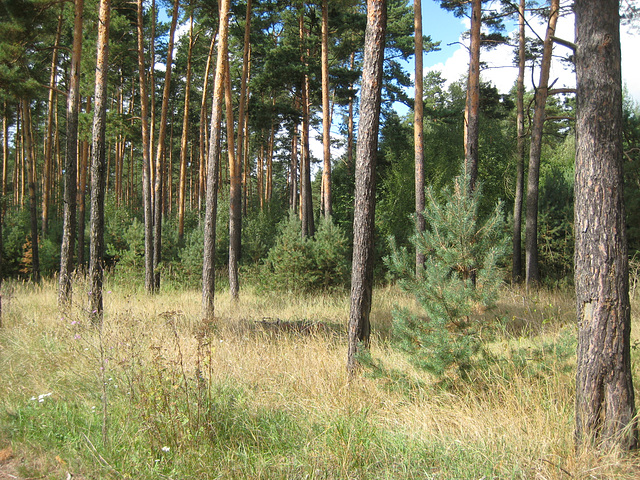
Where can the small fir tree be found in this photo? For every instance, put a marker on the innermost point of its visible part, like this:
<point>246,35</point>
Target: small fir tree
<point>460,280</point>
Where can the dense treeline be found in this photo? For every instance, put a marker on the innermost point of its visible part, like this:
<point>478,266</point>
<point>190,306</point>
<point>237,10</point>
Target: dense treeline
<point>280,107</point>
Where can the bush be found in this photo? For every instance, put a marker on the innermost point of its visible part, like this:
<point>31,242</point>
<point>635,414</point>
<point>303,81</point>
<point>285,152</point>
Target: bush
<point>459,281</point>
<point>300,264</point>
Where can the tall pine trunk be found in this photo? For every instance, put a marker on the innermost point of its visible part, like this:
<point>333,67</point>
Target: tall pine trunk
<point>535,149</point>
<point>472,109</point>
<point>605,407</point>
<point>71,162</point>
<point>326,115</point>
<point>516,262</point>
<point>98,170</point>
<point>418,129</point>
<point>184,140</point>
<point>235,194</point>
<point>158,200</point>
<point>146,156</point>
<point>49,138</point>
<point>364,211</point>
<point>211,207</point>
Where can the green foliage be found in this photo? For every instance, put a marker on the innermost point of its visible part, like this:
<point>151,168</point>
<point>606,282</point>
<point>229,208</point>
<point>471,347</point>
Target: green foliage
<point>300,264</point>
<point>459,281</point>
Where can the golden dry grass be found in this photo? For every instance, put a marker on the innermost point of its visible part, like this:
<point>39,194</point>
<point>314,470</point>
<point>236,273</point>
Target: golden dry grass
<point>521,426</point>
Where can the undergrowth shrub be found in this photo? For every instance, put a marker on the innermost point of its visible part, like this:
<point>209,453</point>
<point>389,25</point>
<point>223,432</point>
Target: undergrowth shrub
<point>460,280</point>
<point>297,263</point>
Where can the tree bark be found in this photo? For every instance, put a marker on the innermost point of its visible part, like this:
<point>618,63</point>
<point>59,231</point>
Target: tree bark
<point>418,129</point>
<point>326,115</point>
<point>98,171</point>
<point>235,194</point>
<point>146,156</point>
<point>306,202</point>
<point>71,162</point>
<point>472,109</point>
<point>364,211</point>
<point>516,262</point>
<point>81,198</point>
<point>211,209</point>
<point>605,409</point>
<point>203,127</point>
<point>531,223</point>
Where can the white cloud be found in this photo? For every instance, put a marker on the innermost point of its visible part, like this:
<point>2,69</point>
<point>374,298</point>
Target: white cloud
<point>502,73</point>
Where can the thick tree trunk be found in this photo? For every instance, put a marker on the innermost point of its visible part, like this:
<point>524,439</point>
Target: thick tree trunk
<point>535,149</point>
<point>71,162</point>
<point>605,409</point>
<point>182,187</point>
<point>516,262</point>
<point>211,209</point>
<point>472,108</point>
<point>418,128</point>
<point>98,171</point>
<point>326,115</point>
<point>146,156</point>
<point>364,212</point>
<point>158,201</point>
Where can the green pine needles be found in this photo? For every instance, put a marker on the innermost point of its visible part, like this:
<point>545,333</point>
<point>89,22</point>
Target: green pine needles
<point>459,281</point>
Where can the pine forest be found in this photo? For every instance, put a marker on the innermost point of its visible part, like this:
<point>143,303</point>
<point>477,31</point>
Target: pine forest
<point>260,239</point>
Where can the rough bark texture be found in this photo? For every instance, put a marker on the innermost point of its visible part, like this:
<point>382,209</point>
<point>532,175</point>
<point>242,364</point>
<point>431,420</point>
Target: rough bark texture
<point>71,162</point>
<point>98,168</point>
<point>326,114</point>
<point>364,211</point>
<point>146,157</point>
<point>604,391</point>
<point>516,269</point>
<point>211,207</point>
<point>472,109</point>
<point>535,149</point>
<point>418,128</point>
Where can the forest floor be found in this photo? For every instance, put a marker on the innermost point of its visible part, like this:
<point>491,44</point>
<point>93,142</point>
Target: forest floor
<point>262,392</point>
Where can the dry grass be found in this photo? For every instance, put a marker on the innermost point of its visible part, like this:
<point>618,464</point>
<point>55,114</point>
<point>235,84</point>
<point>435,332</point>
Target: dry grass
<point>152,350</point>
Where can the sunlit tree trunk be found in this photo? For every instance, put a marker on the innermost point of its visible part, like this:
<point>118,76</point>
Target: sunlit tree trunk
<point>326,115</point>
<point>71,162</point>
<point>605,407</point>
<point>211,209</point>
<point>418,128</point>
<point>98,172</point>
<point>364,210</point>
<point>306,205</point>
<point>535,149</point>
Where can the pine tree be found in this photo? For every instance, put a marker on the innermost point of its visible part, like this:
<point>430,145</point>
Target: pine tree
<point>461,279</point>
